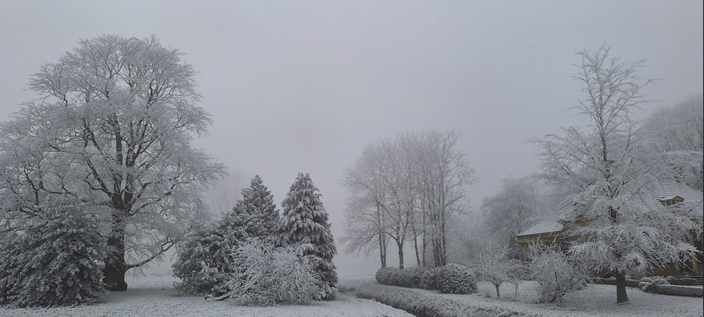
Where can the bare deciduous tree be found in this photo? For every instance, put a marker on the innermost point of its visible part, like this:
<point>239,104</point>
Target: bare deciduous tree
<point>113,129</point>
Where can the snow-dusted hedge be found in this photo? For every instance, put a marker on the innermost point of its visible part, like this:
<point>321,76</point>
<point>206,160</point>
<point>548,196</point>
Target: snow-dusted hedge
<point>456,279</point>
<point>429,279</point>
<point>676,290</point>
<point>405,278</point>
<point>681,281</point>
<point>612,281</point>
<point>430,306</point>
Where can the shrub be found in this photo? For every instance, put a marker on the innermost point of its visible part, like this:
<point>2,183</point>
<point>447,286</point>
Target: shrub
<point>421,304</point>
<point>405,278</point>
<point>557,273</point>
<point>429,279</point>
<point>268,275</point>
<point>456,279</point>
<point>676,290</point>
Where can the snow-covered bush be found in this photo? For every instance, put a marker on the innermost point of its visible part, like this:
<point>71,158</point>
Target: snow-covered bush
<point>493,266</point>
<point>456,279</point>
<point>268,275</point>
<point>429,279</point>
<point>675,290</point>
<point>421,304</point>
<point>55,261</point>
<point>556,272</point>
<point>405,278</point>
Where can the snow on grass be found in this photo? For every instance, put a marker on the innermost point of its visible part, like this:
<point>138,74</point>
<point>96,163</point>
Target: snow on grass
<point>155,296</point>
<point>594,300</point>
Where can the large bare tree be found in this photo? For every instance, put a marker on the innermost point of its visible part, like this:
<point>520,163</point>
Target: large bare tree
<point>601,164</point>
<point>406,189</point>
<point>112,128</point>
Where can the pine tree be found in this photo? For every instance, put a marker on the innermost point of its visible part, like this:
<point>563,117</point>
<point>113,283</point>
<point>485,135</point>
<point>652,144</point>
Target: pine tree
<point>54,262</point>
<point>305,223</point>
<point>257,210</point>
<point>205,264</point>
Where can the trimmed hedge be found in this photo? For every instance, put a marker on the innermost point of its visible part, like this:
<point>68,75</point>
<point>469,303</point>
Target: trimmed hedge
<point>456,279</point>
<point>430,306</point>
<point>612,281</point>
<point>398,277</point>
<point>675,290</point>
<point>429,279</point>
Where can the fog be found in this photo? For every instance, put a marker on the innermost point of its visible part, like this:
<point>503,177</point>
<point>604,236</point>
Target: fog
<point>303,86</point>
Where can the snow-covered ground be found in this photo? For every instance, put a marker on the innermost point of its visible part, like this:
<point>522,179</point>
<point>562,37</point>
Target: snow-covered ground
<point>155,296</point>
<point>595,300</point>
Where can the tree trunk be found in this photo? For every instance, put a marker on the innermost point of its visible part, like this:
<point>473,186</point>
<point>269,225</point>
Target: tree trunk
<point>115,264</point>
<point>621,296</point>
<point>400,255</point>
<point>498,294</point>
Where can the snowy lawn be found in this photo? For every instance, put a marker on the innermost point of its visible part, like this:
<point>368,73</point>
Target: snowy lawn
<point>595,300</point>
<point>155,296</point>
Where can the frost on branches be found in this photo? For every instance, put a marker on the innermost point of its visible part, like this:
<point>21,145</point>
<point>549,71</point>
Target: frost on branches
<point>305,223</point>
<point>54,260</point>
<point>206,261</point>
<point>266,275</point>
<point>621,226</point>
<point>112,126</point>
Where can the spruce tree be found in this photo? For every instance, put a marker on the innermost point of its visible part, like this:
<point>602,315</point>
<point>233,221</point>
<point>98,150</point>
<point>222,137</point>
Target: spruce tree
<point>54,261</point>
<point>256,210</point>
<point>205,264</point>
<point>305,223</point>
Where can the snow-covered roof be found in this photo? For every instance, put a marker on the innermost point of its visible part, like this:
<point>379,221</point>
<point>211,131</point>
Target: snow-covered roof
<point>545,226</point>
<point>650,198</point>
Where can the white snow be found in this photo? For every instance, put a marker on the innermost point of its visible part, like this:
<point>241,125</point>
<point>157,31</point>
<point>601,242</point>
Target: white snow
<point>154,296</point>
<point>545,226</point>
<point>594,300</point>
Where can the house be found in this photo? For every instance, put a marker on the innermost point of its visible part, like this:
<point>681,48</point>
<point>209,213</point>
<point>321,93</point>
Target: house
<point>656,196</point>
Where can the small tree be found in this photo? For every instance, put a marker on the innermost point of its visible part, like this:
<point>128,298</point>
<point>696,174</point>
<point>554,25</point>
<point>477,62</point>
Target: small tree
<point>305,223</point>
<point>556,272</point>
<point>492,266</point>
<point>55,261</point>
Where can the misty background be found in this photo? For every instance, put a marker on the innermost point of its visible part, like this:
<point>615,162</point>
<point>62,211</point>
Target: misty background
<point>304,86</point>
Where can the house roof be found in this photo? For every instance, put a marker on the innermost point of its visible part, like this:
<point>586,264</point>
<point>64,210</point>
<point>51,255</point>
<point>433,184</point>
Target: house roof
<point>545,226</point>
<point>649,198</point>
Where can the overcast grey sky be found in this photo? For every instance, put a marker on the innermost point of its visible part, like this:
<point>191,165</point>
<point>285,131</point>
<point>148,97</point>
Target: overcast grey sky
<point>303,86</point>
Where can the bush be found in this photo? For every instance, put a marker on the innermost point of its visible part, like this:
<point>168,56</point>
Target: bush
<point>676,290</point>
<point>268,276</point>
<point>456,279</point>
<point>556,273</point>
<point>431,306</point>
<point>405,278</point>
<point>54,262</point>
<point>429,279</point>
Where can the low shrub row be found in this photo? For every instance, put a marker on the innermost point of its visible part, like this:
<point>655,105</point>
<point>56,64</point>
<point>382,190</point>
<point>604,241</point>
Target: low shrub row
<point>430,306</point>
<point>675,290</point>
<point>452,278</point>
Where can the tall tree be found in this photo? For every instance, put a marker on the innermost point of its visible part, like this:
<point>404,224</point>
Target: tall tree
<point>113,129</point>
<point>510,211</point>
<point>304,222</point>
<point>625,231</point>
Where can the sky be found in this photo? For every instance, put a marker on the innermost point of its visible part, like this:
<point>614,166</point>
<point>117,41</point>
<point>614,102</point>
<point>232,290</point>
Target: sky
<point>303,86</point>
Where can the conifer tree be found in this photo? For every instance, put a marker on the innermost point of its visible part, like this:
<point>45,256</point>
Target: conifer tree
<point>257,210</point>
<point>305,223</point>
<point>54,262</point>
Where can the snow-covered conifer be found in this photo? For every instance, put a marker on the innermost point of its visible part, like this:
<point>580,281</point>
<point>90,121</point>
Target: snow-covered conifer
<point>54,261</point>
<point>257,209</point>
<point>305,222</point>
